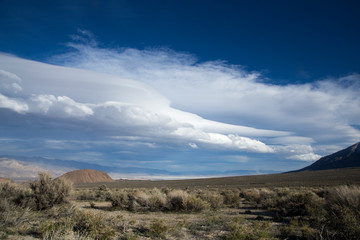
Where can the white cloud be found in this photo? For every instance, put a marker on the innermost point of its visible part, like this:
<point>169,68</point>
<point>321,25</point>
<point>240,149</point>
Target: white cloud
<point>309,157</point>
<point>16,105</point>
<point>122,105</point>
<point>160,95</point>
<point>297,152</point>
<point>61,106</point>
<point>322,111</point>
<point>9,83</point>
<point>193,145</point>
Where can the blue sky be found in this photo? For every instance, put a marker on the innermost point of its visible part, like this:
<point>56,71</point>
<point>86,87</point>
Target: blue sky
<point>192,87</point>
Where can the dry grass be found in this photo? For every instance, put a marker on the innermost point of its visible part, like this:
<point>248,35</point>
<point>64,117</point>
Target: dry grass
<point>173,213</point>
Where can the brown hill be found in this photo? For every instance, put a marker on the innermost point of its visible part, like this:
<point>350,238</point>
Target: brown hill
<point>86,176</point>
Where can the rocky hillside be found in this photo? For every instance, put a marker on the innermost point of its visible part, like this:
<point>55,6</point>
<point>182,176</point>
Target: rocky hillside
<point>86,176</point>
<point>349,157</point>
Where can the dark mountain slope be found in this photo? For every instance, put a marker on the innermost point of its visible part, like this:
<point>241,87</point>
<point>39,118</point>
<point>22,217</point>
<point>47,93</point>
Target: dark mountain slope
<point>349,157</point>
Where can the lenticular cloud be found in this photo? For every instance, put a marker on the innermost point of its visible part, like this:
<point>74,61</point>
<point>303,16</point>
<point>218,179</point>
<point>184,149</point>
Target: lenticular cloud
<point>322,113</point>
<point>126,107</point>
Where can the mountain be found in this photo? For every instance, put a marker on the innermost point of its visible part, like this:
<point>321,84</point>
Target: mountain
<point>58,167</point>
<point>22,171</point>
<point>349,157</point>
<point>5,180</point>
<point>23,168</point>
<point>86,176</point>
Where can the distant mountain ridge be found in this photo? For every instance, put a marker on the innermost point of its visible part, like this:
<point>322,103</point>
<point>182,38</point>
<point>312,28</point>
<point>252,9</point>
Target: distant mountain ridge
<point>47,164</point>
<point>5,180</point>
<point>23,168</point>
<point>346,158</point>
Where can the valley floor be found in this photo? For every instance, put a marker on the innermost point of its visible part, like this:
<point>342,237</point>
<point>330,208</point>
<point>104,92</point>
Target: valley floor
<point>47,209</point>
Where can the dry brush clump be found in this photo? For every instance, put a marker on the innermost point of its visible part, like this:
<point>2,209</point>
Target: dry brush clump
<point>242,230</point>
<point>332,213</point>
<point>214,199</point>
<point>343,212</point>
<point>232,197</point>
<point>304,204</point>
<point>80,225</point>
<point>156,200</point>
<point>41,194</point>
<point>180,200</point>
<point>46,192</point>
<point>101,193</point>
<point>19,203</point>
<point>158,230</point>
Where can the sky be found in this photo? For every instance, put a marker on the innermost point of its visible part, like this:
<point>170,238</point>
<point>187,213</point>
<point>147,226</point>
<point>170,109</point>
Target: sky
<point>193,88</point>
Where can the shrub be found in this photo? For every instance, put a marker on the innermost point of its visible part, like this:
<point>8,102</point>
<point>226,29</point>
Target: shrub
<point>343,212</point>
<point>86,194</point>
<point>195,204</point>
<point>246,231</point>
<point>93,225</point>
<point>120,200</point>
<point>139,201</point>
<point>55,229</point>
<point>304,204</point>
<point>180,200</point>
<point>251,195</point>
<point>177,200</point>
<point>232,197</point>
<point>82,225</point>
<point>45,193</point>
<point>8,190</point>
<point>157,201</point>
<point>102,193</point>
<point>214,199</point>
<point>158,229</point>
<point>13,218</point>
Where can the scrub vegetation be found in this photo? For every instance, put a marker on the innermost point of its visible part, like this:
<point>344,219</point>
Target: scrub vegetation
<point>53,209</point>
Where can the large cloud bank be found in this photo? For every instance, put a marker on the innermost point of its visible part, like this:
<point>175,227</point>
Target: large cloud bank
<point>324,113</point>
<point>164,97</point>
<point>127,107</point>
